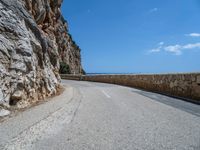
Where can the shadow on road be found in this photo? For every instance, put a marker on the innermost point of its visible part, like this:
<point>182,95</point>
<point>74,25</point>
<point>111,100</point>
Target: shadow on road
<point>174,102</point>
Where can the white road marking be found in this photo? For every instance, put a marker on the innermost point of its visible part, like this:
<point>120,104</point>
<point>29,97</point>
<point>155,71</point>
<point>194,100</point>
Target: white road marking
<point>106,94</point>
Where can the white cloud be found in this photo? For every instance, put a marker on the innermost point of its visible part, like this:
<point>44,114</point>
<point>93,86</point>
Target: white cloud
<point>153,10</point>
<point>155,50</point>
<point>161,43</point>
<point>194,34</point>
<point>158,49</point>
<point>191,46</point>
<point>175,49</point>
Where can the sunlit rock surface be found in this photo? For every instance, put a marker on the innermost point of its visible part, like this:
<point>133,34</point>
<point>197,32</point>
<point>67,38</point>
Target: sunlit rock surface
<point>33,40</point>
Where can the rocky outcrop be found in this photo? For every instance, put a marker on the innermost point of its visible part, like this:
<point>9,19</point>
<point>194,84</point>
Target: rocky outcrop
<point>33,41</point>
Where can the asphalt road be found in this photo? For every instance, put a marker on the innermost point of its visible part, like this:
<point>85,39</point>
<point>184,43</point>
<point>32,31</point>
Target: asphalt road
<point>97,116</point>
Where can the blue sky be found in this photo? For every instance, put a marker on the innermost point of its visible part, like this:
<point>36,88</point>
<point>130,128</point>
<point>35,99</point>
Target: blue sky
<point>136,36</point>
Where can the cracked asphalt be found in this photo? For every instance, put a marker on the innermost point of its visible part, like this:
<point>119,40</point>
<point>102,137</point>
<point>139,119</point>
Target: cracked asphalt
<point>98,116</point>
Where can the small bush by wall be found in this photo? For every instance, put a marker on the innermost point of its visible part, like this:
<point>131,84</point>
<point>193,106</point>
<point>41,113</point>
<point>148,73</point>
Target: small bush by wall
<point>64,68</point>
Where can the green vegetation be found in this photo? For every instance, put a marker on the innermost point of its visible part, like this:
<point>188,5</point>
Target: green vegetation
<point>83,72</point>
<point>64,68</point>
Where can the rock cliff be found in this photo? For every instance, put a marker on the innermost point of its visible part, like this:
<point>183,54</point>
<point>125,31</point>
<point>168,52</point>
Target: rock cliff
<point>34,39</point>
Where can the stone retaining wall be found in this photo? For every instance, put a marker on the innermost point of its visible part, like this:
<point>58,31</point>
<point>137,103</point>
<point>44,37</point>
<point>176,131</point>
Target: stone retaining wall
<point>179,85</point>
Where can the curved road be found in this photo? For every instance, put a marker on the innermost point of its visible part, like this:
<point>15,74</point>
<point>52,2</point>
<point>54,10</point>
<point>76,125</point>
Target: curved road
<point>97,116</point>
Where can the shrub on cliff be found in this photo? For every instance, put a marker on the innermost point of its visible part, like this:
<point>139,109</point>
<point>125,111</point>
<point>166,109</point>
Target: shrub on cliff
<point>83,72</point>
<point>64,68</point>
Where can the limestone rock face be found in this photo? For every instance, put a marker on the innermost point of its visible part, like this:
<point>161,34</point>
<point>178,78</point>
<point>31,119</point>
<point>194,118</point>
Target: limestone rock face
<point>33,40</point>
